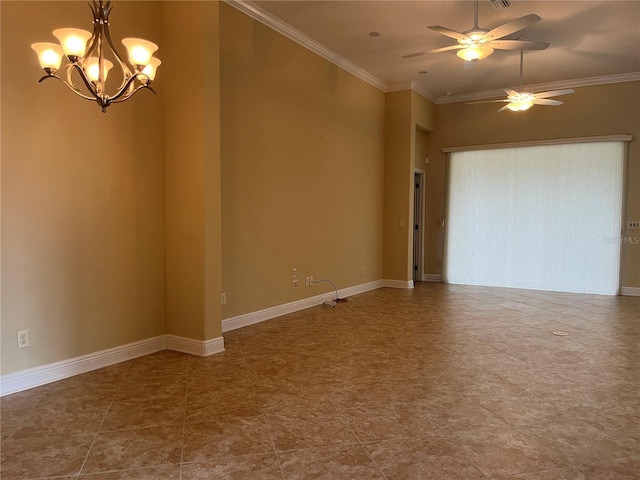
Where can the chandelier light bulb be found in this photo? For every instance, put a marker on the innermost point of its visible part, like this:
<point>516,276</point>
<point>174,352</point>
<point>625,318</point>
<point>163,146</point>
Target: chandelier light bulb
<point>150,70</point>
<point>73,41</point>
<point>140,51</point>
<point>92,69</point>
<point>49,55</point>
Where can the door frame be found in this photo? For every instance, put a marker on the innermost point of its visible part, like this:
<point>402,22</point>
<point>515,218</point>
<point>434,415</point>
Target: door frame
<point>419,178</point>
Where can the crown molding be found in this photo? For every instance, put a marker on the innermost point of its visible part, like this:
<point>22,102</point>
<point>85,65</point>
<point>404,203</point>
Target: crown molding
<point>288,31</point>
<point>416,87</point>
<point>262,16</point>
<point>539,87</point>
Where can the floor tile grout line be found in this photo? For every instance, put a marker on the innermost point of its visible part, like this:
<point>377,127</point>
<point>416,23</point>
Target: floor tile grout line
<point>273,446</point>
<point>184,416</point>
<point>95,437</point>
<point>373,460</point>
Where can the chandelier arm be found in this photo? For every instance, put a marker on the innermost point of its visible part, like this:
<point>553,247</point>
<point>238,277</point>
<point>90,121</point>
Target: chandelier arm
<point>127,72</point>
<point>138,88</point>
<point>87,82</point>
<point>123,90</point>
<point>70,87</point>
<point>97,16</point>
<point>69,80</point>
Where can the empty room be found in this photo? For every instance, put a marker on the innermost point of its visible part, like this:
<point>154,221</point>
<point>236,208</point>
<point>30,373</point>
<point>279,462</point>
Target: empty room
<point>372,240</point>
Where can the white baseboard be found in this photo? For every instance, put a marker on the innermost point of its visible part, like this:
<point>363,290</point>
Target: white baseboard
<point>630,291</point>
<point>432,277</point>
<point>34,377</point>
<point>201,348</point>
<point>398,283</point>
<point>252,318</point>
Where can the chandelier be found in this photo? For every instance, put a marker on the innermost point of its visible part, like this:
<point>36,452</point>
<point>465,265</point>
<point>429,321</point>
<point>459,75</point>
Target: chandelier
<point>86,54</point>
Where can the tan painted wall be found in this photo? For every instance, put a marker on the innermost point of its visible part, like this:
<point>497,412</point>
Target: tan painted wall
<point>422,112</point>
<point>192,159</point>
<point>408,115</point>
<point>82,198</point>
<point>596,110</point>
<point>398,190</point>
<point>302,169</point>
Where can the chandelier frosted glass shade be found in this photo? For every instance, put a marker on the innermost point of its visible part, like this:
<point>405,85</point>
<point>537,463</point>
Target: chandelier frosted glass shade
<point>49,55</point>
<point>94,72</point>
<point>91,56</point>
<point>140,51</point>
<point>150,70</point>
<point>73,41</point>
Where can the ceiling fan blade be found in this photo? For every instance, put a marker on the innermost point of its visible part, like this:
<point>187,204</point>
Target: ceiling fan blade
<point>517,45</point>
<point>448,32</point>
<point>417,54</point>
<point>511,93</point>
<point>547,101</point>
<point>555,93</point>
<point>435,50</point>
<point>512,26</point>
<point>503,108</point>
<point>487,101</point>
<point>446,49</point>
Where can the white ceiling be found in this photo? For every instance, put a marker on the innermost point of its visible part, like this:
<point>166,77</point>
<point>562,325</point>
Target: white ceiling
<point>589,40</point>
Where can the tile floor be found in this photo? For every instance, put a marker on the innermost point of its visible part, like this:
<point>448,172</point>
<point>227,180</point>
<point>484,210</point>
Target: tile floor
<point>439,382</point>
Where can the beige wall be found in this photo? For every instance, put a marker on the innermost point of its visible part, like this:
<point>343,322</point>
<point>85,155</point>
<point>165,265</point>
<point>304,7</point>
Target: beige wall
<point>192,162</point>
<point>302,168</point>
<point>596,110</point>
<point>408,116</point>
<point>82,199</point>
<point>398,189</point>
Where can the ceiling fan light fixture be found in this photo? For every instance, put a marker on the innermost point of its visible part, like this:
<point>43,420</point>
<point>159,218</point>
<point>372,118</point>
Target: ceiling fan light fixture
<point>520,102</point>
<point>520,106</point>
<point>474,52</point>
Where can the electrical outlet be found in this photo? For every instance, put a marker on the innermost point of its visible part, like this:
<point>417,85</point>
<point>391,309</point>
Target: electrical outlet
<point>295,272</point>
<point>364,270</point>
<point>223,298</point>
<point>306,282</point>
<point>23,338</point>
<point>633,225</point>
<point>311,280</point>
<point>295,283</point>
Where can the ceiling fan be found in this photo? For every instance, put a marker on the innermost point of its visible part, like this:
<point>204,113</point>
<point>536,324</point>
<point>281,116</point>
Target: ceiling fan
<point>479,43</point>
<point>518,101</point>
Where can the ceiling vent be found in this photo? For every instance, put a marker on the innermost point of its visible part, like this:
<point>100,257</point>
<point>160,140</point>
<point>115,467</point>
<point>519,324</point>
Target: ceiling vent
<point>498,4</point>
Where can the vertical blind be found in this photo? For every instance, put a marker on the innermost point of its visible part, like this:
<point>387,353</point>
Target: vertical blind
<point>542,217</point>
